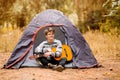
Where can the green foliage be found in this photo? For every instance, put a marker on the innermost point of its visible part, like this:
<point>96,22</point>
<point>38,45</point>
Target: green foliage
<point>112,21</point>
<point>115,18</point>
<point>105,27</point>
<point>95,17</point>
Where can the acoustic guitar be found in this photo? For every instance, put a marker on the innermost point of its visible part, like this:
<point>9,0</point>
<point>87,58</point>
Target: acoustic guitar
<point>66,53</point>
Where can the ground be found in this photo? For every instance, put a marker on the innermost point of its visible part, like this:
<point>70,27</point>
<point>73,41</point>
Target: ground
<point>110,71</point>
<point>106,53</point>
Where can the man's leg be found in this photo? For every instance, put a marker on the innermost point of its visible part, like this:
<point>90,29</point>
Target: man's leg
<point>53,61</point>
<point>44,61</point>
<point>62,61</point>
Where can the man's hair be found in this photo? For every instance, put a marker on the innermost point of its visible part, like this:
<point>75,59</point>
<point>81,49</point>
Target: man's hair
<point>49,30</point>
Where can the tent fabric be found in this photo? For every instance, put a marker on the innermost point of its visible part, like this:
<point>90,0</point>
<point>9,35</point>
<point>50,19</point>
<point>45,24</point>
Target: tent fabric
<point>82,54</point>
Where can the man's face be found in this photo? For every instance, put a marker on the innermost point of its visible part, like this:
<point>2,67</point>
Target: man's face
<point>50,36</point>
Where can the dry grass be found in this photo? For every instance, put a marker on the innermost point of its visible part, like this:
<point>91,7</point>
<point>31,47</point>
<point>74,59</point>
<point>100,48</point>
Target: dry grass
<point>9,38</point>
<point>103,44</point>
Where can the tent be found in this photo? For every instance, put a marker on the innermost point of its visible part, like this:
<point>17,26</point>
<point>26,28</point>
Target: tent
<point>65,31</point>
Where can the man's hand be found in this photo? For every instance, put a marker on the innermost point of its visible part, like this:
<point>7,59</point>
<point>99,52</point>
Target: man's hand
<point>34,56</point>
<point>47,54</point>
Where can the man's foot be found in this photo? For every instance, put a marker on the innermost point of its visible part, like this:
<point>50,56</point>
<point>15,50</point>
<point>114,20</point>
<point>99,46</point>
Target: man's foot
<point>59,68</point>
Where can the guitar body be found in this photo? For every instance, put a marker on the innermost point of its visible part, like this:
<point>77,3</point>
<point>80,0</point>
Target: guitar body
<point>66,53</point>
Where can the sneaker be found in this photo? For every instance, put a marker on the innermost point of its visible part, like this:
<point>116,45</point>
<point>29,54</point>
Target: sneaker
<point>59,68</point>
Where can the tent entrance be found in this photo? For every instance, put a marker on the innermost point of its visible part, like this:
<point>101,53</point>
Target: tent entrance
<point>40,37</point>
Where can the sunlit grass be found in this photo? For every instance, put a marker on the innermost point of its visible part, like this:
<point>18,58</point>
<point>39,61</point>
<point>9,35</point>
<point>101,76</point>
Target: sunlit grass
<point>103,44</point>
<point>9,38</point>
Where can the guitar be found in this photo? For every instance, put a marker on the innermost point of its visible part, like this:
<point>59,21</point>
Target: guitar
<point>66,53</point>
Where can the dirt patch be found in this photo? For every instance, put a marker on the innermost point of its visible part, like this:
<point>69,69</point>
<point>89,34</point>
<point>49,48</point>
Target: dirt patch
<point>110,71</point>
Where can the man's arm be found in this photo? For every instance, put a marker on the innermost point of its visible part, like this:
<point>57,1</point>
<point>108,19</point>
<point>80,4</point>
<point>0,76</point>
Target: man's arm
<point>39,48</point>
<point>38,52</point>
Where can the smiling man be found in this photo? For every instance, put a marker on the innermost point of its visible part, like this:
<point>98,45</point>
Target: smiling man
<point>46,55</point>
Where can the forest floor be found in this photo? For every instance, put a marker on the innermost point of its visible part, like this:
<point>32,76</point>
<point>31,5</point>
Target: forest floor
<point>106,50</point>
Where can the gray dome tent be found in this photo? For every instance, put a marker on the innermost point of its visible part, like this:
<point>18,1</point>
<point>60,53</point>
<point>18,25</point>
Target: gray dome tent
<point>65,31</point>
